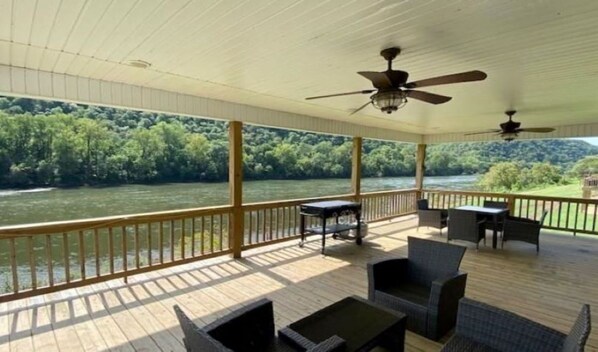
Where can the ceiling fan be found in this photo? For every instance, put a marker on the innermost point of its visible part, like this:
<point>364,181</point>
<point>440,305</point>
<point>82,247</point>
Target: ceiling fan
<point>510,129</point>
<point>392,90</point>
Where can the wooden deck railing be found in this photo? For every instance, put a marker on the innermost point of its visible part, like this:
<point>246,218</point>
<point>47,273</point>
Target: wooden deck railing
<point>268,222</point>
<point>577,215</point>
<point>47,257</point>
<point>378,206</point>
<point>42,258</point>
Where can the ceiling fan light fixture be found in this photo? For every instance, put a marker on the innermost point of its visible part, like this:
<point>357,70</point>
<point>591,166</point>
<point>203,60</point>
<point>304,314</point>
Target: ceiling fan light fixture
<point>508,136</point>
<point>389,101</point>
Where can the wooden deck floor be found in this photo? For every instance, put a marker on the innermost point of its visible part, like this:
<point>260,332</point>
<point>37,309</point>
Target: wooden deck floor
<point>549,288</point>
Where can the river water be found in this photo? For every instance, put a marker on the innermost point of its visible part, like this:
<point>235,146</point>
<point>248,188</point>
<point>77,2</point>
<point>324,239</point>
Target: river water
<point>53,204</point>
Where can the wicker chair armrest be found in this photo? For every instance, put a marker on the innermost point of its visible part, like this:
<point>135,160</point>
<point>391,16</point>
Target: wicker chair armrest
<point>522,220</point>
<point>443,305</point>
<point>503,330</point>
<point>298,341</point>
<point>385,272</point>
<point>529,226</point>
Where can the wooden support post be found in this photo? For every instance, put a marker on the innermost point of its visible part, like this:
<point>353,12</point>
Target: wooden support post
<point>356,168</point>
<point>419,168</point>
<point>235,184</point>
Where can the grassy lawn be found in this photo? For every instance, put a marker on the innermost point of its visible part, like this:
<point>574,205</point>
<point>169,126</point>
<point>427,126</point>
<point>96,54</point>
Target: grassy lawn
<point>565,214</point>
<point>572,190</point>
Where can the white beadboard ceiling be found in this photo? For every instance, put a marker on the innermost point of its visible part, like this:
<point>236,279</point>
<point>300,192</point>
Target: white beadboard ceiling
<point>540,56</point>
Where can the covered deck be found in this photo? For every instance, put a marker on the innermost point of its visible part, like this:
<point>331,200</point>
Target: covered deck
<point>548,287</point>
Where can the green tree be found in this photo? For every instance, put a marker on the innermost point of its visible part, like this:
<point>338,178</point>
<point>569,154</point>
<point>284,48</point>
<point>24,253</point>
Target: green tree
<point>586,166</point>
<point>501,177</point>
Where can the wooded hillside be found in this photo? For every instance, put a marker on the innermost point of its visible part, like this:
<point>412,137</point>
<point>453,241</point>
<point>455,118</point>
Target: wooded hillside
<point>60,144</point>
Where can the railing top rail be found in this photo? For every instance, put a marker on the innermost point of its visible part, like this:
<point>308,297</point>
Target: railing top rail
<point>389,192</point>
<point>515,195</point>
<point>468,193</point>
<point>108,221</point>
<point>289,202</point>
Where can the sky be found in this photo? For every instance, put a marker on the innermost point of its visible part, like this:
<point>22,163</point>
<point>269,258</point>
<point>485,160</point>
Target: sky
<point>593,140</point>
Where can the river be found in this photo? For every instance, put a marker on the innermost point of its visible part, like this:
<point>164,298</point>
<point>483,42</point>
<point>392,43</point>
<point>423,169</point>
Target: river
<point>53,204</point>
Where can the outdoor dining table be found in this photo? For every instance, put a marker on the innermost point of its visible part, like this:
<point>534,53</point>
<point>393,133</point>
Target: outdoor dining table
<point>496,214</point>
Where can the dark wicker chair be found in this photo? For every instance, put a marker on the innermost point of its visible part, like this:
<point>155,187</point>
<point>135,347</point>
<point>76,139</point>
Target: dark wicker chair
<point>429,217</point>
<point>522,229</point>
<point>490,220</point>
<point>426,286</point>
<point>466,225</point>
<point>249,329</point>
<point>481,327</point>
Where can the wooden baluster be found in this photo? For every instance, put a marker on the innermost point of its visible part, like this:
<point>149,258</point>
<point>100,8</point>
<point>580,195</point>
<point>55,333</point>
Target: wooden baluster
<point>264,226</point>
<point>149,244</point>
<point>202,235</point>
<point>13,265</point>
<point>575,218</point>
<point>550,213</point>
<point>137,259</point>
<point>32,264</point>
<point>124,248</point>
<point>96,244</point>
<point>257,226</point>
<point>66,255</point>
<point>172,240</point>
<point>183,238</point>
<point>284,211</point>
<point>193,237</point>
<point>585,215</point>
<point>594,218</point>
<point>161,240</point>
<point>211,233</point>
<point>50,262</point>
<point>568,212</point>
<point>82,254</point>
<point>558,219</point>
<point>111,249</point>
<point>220,232</point>
<point>270,222</point>
<point>295,216</point>
<point>250,234</point>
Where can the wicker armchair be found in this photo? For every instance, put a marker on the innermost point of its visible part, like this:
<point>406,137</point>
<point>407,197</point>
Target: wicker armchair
<point>249,329</point>
<point>465,225</point>
<point>426,286</point>
<point>522,229</point>
<point>489,219</point>
<point>481,327</point>
<point>429,217</point>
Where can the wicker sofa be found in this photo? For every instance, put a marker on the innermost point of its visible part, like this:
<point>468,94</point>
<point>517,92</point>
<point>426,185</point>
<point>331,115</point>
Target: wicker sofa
<point>248,329</point>
<point>426,286</point>
<point>481,327</point>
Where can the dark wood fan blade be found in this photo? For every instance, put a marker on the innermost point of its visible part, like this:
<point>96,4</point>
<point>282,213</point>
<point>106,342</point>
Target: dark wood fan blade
<point>490,131</point>
<point>448,79</point>
<point>367,91</point>
<point>360,108</point>
<point>537,130</point>
<point>379,79</point>
<point>427,97</point>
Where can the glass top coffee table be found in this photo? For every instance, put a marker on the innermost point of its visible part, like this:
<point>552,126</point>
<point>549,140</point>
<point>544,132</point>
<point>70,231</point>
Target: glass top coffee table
<point>362,324</point>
